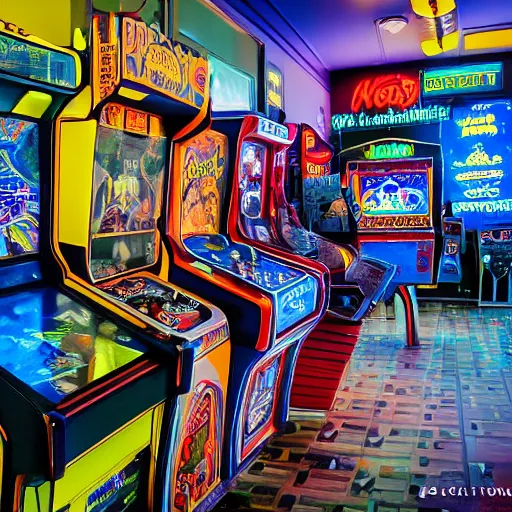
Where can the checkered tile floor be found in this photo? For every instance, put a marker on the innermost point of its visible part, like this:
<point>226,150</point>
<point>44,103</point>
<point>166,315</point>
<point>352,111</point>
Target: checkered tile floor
<point>404,420</point>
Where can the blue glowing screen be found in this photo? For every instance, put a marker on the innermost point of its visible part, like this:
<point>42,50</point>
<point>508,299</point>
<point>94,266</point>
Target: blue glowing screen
<point>477,148</point>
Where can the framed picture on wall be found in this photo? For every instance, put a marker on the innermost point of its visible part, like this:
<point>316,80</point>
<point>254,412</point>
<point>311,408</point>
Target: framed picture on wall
<point>275,91</point>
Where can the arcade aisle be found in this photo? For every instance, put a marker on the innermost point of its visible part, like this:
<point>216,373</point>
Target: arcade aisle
<point>406,423</point>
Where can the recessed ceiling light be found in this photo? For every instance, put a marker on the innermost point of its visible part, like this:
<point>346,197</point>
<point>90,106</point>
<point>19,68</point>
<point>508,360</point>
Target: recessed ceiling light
<point>393,24</point>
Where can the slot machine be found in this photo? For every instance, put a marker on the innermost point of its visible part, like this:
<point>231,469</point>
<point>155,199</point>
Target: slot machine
<point>262,215</point>
<point>112,147</point>
<point>79,392</point>
<point>271,302</point>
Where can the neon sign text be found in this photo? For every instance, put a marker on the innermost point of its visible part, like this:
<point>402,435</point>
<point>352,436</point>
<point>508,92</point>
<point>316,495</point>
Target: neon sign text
<point>479,175</point>
<point>430,114</point>
<point>497,206</point>
<point>463,79</point>
<point>384,92</point>
<point>388,151</point>
<point>273,131</point>
<point>381,222</point>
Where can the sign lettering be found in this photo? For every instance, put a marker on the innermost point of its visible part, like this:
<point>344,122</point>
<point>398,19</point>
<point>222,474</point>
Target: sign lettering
<point>11,27</point>
<point>274,87</point>
<point>468,79</point>
<point>496,206</point>
<point>383,92</point>
<point>273,131</point>
<point>388,151</point>
<point>430,114</point>
<point>397,222</point>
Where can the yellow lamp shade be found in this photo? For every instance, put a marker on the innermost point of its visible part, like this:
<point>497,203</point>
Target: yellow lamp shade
<point>432,8</point>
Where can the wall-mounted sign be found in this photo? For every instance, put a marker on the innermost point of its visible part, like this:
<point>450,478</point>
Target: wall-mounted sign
<point>430,114</point>
<point>274,87</point>
<point>231,89</point>
<point>478,153</point>
<point>469,79</point>
<point>273,131</point>
<point>388,151</point>
<point>382,92</point>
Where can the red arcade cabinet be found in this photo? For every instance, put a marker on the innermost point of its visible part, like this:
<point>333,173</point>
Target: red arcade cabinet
<point>272,303</point>
<point>261,213</point>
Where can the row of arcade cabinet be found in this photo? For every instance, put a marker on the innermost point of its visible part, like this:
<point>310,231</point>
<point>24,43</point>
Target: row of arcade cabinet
<point>155,284</point>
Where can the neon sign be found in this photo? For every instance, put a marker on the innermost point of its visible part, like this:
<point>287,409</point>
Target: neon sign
<point>430,114</point>
<point>273,131</point>
<point>388,151</point>
<point>274,87</point>
<point>469,79</point>
<point>477,180</point>
<point>387,91</point>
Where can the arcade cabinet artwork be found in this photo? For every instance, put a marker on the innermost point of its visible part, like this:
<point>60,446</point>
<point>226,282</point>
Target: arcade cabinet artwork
<point>62,363</point>
<point>263,217</point>
<point>271,303</point>
<point>109,183</point>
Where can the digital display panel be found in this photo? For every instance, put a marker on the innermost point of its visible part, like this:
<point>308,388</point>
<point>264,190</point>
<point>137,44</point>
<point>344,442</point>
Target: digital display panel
<point>465,79</point>
<point>28,60</point>
<point>19,187</point>
<point>204,175</point>
<point>127,190</point>
<point>477,150</point>
<point>231,89</point>
<point>391,195</point>
<point>57,346</point>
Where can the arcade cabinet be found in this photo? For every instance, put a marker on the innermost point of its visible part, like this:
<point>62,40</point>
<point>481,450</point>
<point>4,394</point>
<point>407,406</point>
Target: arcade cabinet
<point>271,302</point>
<point>396,206</point>
<point>80,395</point>
<point>112,147</point>
<point>260,214</point>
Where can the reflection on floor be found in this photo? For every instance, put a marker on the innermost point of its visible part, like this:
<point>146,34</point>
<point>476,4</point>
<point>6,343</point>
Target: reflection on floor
<point>408,426</point>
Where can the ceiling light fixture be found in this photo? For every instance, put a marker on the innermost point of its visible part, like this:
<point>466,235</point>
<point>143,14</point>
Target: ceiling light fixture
<point>393,24</point>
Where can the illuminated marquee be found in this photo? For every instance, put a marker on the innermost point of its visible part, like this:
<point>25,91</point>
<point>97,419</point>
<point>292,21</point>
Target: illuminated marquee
<point>430,114</point>
<point>470,79</point>
<point>387,91</point>
<point>274,87</point>
<point>128,50</point>
<point>273,131</point>
<point>388,151</point>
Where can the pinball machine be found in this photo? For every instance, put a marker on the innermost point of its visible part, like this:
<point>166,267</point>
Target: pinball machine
<point>272,302</point>
<point>262,215</point>
<point>112,147</point>
<point>79,392</point>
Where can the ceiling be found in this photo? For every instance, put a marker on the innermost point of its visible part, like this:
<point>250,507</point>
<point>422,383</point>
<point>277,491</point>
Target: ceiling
<point>342,33</point>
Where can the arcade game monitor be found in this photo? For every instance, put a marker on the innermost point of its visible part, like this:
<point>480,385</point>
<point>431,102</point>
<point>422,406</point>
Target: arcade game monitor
<point>109,181</point>
<point>391,201</point>
<point>79,392</point>
<point>271,302</point>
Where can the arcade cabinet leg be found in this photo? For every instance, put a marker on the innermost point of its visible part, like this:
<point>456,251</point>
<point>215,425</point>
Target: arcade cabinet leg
<point>407,295</point>
<point>322,360</point>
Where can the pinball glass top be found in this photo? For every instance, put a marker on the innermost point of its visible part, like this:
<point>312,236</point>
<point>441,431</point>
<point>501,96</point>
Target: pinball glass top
<point>162,304</point>
<point>395,195</point>
<point>57,346</point>
<point>19,187</point>
<point>127,191</point>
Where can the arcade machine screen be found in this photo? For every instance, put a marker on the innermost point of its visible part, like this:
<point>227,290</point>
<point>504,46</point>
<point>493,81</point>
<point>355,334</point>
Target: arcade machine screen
<point>204,182</point>
<point>127,197</point>
<point>19,187</point>
<point>392,202</point>
<point>62,346</point>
